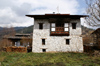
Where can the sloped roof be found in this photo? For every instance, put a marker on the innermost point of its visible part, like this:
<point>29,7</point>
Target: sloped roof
<point>96,31</point>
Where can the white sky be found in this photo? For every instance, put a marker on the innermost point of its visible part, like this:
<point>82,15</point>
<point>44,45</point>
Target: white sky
<point>12,12</point>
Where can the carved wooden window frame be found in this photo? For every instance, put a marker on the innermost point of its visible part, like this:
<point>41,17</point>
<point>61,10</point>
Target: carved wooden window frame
<point>66,27</point>
<point>52,27</point>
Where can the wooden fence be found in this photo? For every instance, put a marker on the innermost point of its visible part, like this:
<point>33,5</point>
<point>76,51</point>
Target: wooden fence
<point>16,49</point>
<point>88,48</point>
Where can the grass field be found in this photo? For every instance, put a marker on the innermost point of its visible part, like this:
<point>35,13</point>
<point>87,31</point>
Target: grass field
<point>48,59</point>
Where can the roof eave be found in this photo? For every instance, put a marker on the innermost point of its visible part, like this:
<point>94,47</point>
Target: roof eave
<point>57,16</point>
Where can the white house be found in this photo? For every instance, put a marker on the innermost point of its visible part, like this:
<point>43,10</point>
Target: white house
<point>57,33</point>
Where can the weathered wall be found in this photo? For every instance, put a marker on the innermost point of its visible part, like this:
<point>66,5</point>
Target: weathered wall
<point>56,43</point>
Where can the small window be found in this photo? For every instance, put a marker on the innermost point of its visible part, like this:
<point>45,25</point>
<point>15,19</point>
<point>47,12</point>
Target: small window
<point>52,26</point>
<point>43,50</point>
<point>73,25</point>
<point>67,41</point>
<point>52,29</point>
<point>40,25</point>
<point>66,27</point>
<point>43,41</point>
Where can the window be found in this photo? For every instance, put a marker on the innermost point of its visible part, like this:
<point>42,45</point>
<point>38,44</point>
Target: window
<point>43,50</point>
<point>40,25</point>
<point>60,27</point>
<point>67,41</point>
<point>59,24</point>
<point>43,41</point>
<point>52,29</point>
<point>73,25</point>
<point>17,43</point>
<point>66,27</point>
<point>52,26</point>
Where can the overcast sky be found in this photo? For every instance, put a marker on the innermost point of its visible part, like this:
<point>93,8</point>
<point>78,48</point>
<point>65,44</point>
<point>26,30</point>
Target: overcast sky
<point>12,12</point>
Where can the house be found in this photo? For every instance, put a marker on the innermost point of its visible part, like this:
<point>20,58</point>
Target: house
<point>22,40</point>
<point>18,43</point>
<point>57,33</point>
<point>92,41</point>
<point>96,38</point>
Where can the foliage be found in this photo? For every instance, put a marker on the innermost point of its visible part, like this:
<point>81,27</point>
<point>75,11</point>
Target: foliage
<point>94,12</point>
<point>6,32</point>
<point>48,59</point>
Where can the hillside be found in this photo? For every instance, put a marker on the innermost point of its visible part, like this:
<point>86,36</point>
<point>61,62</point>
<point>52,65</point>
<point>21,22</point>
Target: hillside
<point>25,30</point>
<point>29,29</point>
<point>18,28</point>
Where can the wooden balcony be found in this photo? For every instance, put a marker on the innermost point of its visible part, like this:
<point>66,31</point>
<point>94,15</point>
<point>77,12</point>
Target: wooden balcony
<point>60,29</point>
<point>59,32</point>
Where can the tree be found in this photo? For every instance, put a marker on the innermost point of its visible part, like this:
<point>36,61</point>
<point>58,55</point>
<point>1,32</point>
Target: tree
<point>94,12</point>
<point>7,32</point>
<point>4,33</point>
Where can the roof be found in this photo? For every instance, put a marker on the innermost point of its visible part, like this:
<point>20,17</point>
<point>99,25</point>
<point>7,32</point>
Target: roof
<point>22,34</point>
<point>56,16</point>
<point>19,36</point>
<point>96,31</point>
<point>14,37</point>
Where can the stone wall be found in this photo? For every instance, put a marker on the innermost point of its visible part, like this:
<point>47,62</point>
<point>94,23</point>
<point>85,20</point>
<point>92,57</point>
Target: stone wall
<point>56,43</point>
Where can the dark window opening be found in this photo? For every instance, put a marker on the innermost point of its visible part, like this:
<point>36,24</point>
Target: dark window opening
<point>40,25</point>
<point>59,24</point>
<point>60,27</point>
<point>73,25</point>
<point>43,41</point>
<point>43,50</point>
<point>67,41</point>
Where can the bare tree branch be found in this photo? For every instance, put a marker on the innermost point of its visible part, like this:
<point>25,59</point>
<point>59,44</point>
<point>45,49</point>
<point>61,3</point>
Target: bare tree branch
<point>94,12</point>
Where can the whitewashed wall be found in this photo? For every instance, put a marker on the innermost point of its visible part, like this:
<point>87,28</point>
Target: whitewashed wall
<point>56,43</point>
